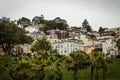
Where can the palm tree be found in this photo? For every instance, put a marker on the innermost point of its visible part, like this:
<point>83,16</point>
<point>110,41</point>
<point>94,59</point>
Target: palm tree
<point>93,61</point>
<point>75,61</point>
<point>98,61</point>
<point>21,69</point>
<point>104,60</point>
<point>50,69</point>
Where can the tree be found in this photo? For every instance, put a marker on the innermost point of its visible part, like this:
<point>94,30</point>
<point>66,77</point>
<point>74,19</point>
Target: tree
<point>93,65</point>
<point>75,61</point>
<point>41,44</point>
<point>118,44</point>
<point>50,70</point>
<point>86,25</point>
<point>11,35</point>
<point>101,30</point>
<point>38,20</point>
<point>22,69</point>
<point>98,61</point>
<point>24,22</point>
<point>61,23</point>
<point>49,66</point>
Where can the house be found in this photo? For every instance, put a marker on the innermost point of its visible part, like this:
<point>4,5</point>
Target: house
<point>116,30</point>
<point>67,46</point>
<point>31,29</point>
<point>88,49</point>
<point>37,35</point>
<point>109,45</point>
<point>26,48</point>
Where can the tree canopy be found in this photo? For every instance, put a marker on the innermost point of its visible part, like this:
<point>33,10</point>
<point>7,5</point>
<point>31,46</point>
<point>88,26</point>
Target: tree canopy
<point>24,22</point>
<point>11,35</point>
<point>86,25</point>
<point>41,44</point>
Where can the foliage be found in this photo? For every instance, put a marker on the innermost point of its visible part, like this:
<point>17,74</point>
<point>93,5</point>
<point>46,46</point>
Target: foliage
<point>38,20</point>
<point>24,22</point>
<point>11,35</point>
<point>101,30</point>
<point>24,68</point>
<point>75,61</point>
<point>41,44</point>
<point>86,25</point>
<point>118,44</point>
<point>98,61</point>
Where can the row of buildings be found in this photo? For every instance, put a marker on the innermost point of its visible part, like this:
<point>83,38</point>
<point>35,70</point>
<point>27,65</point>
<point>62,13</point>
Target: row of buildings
<point>77,38</point>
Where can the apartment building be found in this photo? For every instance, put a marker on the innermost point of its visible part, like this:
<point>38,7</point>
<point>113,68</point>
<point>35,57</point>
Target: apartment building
<point>68,46</point>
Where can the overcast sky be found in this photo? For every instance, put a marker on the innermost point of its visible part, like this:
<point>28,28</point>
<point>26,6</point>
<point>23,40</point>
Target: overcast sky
<point>105,13</point>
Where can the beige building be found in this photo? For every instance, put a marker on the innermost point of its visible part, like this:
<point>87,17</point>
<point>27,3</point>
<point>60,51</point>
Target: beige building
<point>116,30</point>
<point>88,49</point>
<point>105,37</point>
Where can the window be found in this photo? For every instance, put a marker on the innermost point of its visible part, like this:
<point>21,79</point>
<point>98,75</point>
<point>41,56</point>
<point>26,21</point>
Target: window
<point>65,51</point>
<point>61,51</point>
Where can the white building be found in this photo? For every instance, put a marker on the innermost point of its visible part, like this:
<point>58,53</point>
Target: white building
<point>31,29</point>
<point>68,46</point>
<point>37,35</point>
<point>26,48</point>
<point>108,46</point>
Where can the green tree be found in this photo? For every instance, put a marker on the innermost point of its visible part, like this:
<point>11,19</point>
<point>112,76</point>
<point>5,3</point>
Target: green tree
<point>50,67</point>
<point>38,20</point>
<point>61,23</point>
<point>75,61</point>
<point>11,35</point>
<point>118,44</point>
<point>86,25</point>
<point>51,70</point>
<point>98,61</point>
<point>93,65</point>
<point>24,22</point>
<point>22,69</point>
<point>101,30</point>
<point>41,44</point>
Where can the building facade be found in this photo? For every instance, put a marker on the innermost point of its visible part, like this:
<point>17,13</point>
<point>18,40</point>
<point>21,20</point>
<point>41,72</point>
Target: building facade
<point>116,30</point>
<point>68,46</point>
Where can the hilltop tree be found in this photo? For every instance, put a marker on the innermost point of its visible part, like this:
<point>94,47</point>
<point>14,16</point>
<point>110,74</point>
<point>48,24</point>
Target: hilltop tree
<point>86,25</point>
<point>38,20</point>
<point>61,23</point>
<point>11,35</point>
<point>24,22</point>
<point>101,30</point>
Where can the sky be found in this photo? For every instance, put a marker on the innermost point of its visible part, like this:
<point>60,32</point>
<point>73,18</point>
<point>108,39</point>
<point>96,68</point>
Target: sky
<point>105,13</point>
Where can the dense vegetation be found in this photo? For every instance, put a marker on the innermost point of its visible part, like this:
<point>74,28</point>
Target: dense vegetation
<point>25,68</point>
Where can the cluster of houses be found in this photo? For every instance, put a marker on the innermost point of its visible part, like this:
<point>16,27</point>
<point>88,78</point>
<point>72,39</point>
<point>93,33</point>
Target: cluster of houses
<point>77,38</point>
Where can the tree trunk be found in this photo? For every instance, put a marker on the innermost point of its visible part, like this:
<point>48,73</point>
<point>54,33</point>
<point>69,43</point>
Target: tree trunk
<point>92,71</point>
<point>103,73</point>
<point>7,48</point>
<point>96,75</point>
<point>75,73</point>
